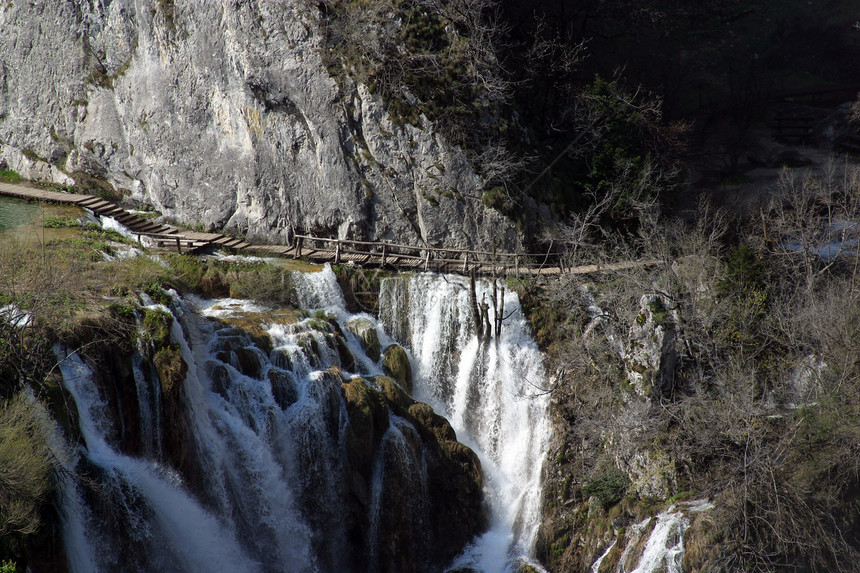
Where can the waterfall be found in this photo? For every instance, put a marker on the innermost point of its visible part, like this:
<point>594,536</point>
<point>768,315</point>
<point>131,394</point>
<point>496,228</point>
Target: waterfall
<point>253,460</point>
<point>492,391</point>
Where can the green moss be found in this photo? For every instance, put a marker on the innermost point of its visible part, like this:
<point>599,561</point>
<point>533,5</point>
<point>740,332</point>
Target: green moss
<point>171,368</point>
<point>395,363</point>
<point>9,176</point>
<point>32,155</point>
<point>61,222</point>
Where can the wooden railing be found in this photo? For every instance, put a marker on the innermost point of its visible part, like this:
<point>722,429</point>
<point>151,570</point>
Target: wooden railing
<point>428,258</point>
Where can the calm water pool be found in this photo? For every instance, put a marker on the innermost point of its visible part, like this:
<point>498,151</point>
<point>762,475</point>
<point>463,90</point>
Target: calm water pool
<point>16,212</point>
<point>21,221</point>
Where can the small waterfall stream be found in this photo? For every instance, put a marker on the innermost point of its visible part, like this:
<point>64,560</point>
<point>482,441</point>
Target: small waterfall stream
<point>246,464</point>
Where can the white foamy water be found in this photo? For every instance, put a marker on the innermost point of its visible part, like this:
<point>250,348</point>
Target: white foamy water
<point>493,393</point>
<point>185,535</point>
<point>664,550</point>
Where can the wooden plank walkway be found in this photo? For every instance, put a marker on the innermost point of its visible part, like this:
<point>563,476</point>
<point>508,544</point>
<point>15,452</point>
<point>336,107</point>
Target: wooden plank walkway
<point>325,250</point>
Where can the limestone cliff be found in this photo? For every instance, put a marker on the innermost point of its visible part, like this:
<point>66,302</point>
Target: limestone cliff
<point>223,114</point>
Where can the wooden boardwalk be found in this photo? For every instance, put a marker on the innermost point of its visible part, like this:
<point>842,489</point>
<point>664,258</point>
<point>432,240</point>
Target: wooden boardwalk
<point>326,250</point>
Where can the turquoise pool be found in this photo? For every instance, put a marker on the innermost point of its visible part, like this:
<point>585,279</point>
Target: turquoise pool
<point>16,212</point>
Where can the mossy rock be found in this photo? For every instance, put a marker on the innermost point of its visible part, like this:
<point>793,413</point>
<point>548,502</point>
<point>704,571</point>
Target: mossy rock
<point>220,377</point>
<point>249,362</point>
<point>395,363</point>
<point>432,422</point>
<point>365,331</point>
<point>368,421</point>
<point>393,392</point>
<point>347,360</point>
<point>213,284</point>
<point>365,406</point>
<point>171,368</point>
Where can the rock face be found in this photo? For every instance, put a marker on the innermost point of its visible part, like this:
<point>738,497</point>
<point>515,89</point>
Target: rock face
<point>413,531</point>
<point>650,356</point>
<point>223,114</point>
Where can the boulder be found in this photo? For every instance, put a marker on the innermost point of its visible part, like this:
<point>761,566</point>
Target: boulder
<point>395,363</point>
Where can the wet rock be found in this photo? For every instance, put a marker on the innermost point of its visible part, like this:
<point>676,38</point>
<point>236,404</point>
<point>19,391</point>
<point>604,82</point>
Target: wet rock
<point>250,362</point>
<point>393,392</point>
<point>395,363</point>
<point>432,422</point>
<point>220,377</point>
<point>280,357</point>
<point>347,360</point>
<point>368,420</point>
<point>283,388</point>
<point>365,331</point>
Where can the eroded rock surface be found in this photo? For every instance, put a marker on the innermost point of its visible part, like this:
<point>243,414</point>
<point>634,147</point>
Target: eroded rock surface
<point>222,114</point>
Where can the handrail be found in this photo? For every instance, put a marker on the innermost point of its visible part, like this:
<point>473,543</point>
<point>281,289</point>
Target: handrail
<point>388,245</point>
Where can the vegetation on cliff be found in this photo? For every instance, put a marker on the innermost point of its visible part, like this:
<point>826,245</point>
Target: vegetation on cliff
<point>735,377</point>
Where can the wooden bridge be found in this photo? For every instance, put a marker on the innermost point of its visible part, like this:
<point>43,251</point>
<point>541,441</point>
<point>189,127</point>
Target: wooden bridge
<point>325,250</point>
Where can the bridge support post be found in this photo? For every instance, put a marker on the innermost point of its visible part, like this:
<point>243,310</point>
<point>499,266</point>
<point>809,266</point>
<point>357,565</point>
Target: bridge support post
<point>466,262</point>
<point>384,253</point>
<point>298,248</point>
<point>178,246</point>
<point>337,252</point>
<point>426,260</point>
<point>517,264</point>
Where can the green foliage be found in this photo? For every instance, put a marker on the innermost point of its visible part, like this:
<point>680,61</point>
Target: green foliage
<point>155,327</point>
<point>658,310</point>
<point>267,283</point>
<point>140,274</point>
<point>743,271</point>
<point>61,223</point>
<point>8,566</point>
<point>9,176</point>
<point>609,488</point>
<point>187,269</point>
<point>553,321</point>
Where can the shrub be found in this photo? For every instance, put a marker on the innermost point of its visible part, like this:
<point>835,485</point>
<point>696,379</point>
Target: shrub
<point>25,467</point>
<point>268,283</point>
<point>188,270</point>
<point>609,488</point>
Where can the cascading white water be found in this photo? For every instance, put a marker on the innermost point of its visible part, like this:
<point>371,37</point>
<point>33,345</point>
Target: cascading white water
<point>265,436</point>
<point>663,549</point>
<point>492,391</point>
<point>187,535</point>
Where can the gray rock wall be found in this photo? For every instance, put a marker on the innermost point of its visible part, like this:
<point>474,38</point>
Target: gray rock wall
<point>222,113</point>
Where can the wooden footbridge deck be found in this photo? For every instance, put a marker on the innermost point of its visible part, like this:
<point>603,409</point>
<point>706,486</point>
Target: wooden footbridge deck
<point>324,250</point>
